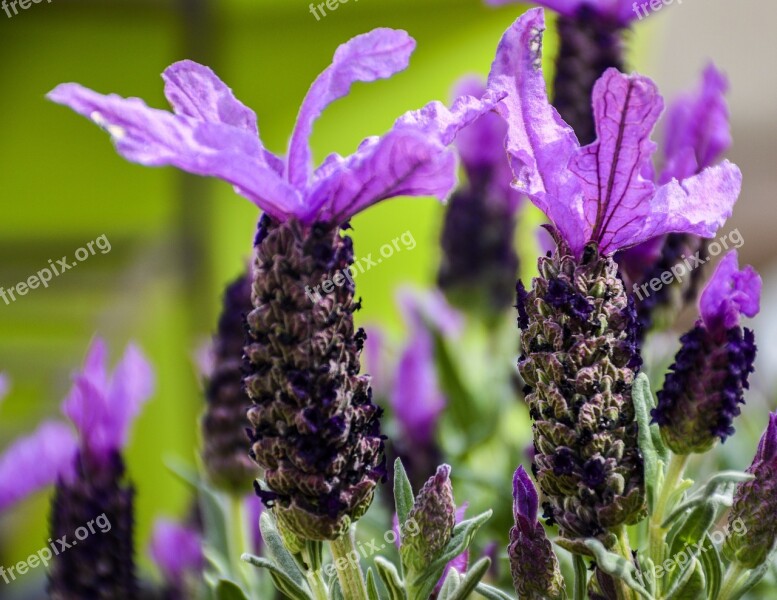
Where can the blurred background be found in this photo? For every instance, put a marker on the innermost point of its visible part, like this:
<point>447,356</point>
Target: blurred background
<point>176,240</point>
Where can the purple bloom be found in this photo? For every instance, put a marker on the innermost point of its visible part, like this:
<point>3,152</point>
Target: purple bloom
<point>177,550</point>
<point>600,192</point>
<point>213,134</point>
<point>621,12</point>
<point>102,406</point>
<point>730,293</point>
<point>36,461</point>
<point>525,501</point>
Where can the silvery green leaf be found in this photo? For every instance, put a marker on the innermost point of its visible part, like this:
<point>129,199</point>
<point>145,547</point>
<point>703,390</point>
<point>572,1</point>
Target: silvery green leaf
<point>214,516</point>
<point>713,568</point>
<point>691,587</point>
<point>617,566</point>
<point>645,573</point>
<point>336,591</point>
<point>642,398</point>
<point>281,557</point>
<point>717,490</point>
<point>450,585</point>
<point>390,576</point>
<point>372,586</point>
<point>282,582</point>
<point>422,584</point>
<point>217,562</point>
<point>692,530</point>
<point>227,590</point>
<point>492,593</point>
<point>403,492</point>
<point>752,579</point>
<point>471,579</point>
<point>581,577</point>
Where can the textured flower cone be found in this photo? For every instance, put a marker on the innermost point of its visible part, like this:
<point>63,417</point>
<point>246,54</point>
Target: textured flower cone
<point>579,363</point>
<point>479,262</point>
<point>316,431</point>
<point>589,45</point>
<point>703,389</point>
<point>661,308</point>
<point>100,566</point>
<point>224,424</point>
<point>434,515</point>
<point>534,566</point>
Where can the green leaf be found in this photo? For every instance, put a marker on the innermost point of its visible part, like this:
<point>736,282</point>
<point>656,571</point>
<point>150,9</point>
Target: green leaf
<point>214,516</point>
<point>391,579</point>
<point>282,581</point>
<point>283,559</point>
<point>711,493</point>
<point>492,593</point>
<point>617,566</point>
<point>337,591</point>
<point>753,578</point>
<point>470,581</point>
<point>692,586</point>
<point>713,568</point>
<point>423,583</point>
<point>581,577</point>
<point>403,492</point>
<point>372,586</point>
<point>689,536</point>
<point>643,404</point>
<point>461,401</point>
<point>227,590</point>
<point>450,585</point>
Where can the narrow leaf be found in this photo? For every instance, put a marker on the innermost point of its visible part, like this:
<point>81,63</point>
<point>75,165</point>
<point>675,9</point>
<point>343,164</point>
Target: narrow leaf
<point>372,586</point>
<point>470,581</point>
<point>492,593</point>
<point>581,577</point>
<point>281,557</point>
<point>227,590</point>
<point>282,581</point>
<point>391,579</point>
<point>403,492</point>
<point>643,403</point>
<point>615,565</point>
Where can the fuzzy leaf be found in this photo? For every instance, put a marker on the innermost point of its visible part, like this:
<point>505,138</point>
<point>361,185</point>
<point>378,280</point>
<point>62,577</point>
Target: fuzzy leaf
<point>450,585</point>
<point>492,593</point>
<point>691,587</point>
<point>403,492</point>
<point>226,590</point>
<point>282,582</point>
<point>713,568</point>
<point>581,577</point>
<point>755,576</point>
<point>617,566</point>
<point>281,557</point>
<point>470,581</point>
<point>372,586</point>
<point>391,579</point>
<point>643,404</point>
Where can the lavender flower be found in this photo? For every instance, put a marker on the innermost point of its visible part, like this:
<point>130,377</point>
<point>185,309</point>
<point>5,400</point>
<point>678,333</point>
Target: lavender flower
<point>705,385</point>
<point>697,134</point>
<point>434,513</point>
<point>225,452</point>
<point>752,527</point>
<point>316,431</point>
<point>177,550</point>
<point>479,261</point>
<point>579,330</point>
<point>102,407</point>
<point>534,566</point>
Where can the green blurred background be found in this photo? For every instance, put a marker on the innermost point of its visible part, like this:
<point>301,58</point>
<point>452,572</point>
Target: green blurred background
<point>176,240</point>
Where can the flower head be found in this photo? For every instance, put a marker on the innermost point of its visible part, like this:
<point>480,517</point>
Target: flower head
<point>752,527</point>
<point>705,385</point>
<point>622,12</point>
<point>535,568</point>
<point>602,192</point>
<point>211,133</point>
<point>176,550</point>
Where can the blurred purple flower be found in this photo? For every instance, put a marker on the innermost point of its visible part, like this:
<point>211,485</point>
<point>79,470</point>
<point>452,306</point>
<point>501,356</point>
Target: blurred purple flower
<point>254,508</point>
<point>618,11</point>
<point>730,293</point>
<point>602,192</point>
<point>5,385</point>
<point>211,133</point>
<point>177,550</point>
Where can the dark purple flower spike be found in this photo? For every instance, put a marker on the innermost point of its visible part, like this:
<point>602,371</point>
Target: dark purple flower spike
<point>705,385</point>
<point>534,566</point>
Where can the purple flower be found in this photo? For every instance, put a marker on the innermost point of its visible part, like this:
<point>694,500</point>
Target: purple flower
<point>730,293</point>
<point>525,502</point>
<point>602,192</point>
<point>5,385</point>
<point>705,385</point>
<point>622,12</point>
<point>103,405</point>
<point>177,550</point>
<point>36,461</point>
<point>213,134</point>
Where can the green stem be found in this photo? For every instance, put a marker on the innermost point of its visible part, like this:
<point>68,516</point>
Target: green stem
<point>624,549</point>
<point>315,578</point>
<point>238,538</point>
<point>656,533</point>
<point>731,581</point>
<point>350,575</point>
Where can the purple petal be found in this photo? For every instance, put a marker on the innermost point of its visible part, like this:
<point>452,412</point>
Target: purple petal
<point>767,447</point>
<point>697,128</point>
<point>378,54</point>
<point>429,309</point>
<point>539,143</point>
<point>37,461</point>
<point>254,508</point>
<point>132,385</point>
<point>154,138</point>
<point>525,499</point>
<point>730,293</point>
<point>617,196</point>
<point>195,91</point>
<point>176,549</point>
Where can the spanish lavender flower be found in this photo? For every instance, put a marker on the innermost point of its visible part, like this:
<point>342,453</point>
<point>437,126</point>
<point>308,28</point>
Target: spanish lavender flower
<point>479,261</point>
<point>705,385</point>
<point>697,134</point>
<point>177,550</point>
<point>752,527</point>
<point>434,515</point>
<point>579,330</point>
<point>316,431</point>
<point>102,407</point>
<point>534,566</point>
<point>224,424</point>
